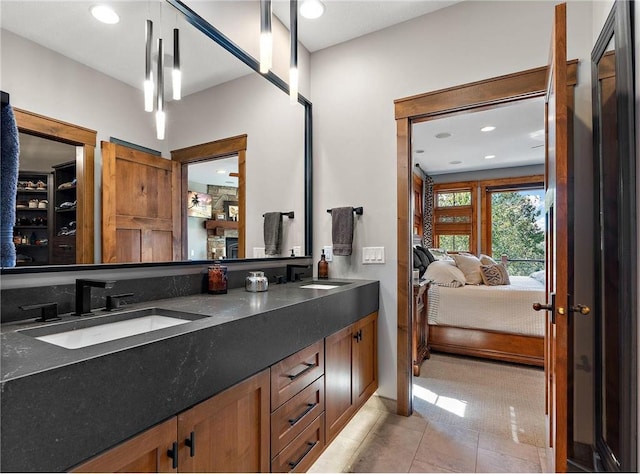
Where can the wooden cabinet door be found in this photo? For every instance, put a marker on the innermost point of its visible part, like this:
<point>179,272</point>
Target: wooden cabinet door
<point>147,452</point>
<point>228,432</point>
<point>365,358</point>
<point>339,393</point>
<point>140,206</point>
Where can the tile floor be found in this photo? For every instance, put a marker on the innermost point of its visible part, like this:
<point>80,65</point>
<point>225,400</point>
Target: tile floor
<point>378,440</point>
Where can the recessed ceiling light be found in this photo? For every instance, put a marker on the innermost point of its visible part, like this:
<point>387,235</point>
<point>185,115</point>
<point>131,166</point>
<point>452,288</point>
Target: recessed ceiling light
<point>489,157</point>
<point>455,162</point>
<point>311,9</point>
<point>105,14</point>
<point>443,135</point>
<point>221,171</point>
<point>488,128</point>
<point>419,151</point>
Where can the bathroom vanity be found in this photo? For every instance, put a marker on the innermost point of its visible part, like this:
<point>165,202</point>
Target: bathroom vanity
<point>247,382</point>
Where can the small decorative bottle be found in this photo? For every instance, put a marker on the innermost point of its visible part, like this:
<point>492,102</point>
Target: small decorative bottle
<point>323,267</point>
<point>217,279</point>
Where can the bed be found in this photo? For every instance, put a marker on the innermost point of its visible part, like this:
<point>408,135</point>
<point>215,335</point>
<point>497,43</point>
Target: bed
<point>496,322</point>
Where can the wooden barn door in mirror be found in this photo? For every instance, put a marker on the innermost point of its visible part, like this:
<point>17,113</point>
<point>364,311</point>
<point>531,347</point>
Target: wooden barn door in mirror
<point>74,219</point>
<point>140,206</point>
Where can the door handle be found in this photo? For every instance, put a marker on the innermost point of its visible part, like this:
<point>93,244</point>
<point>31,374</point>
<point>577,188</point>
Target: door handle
<point>540,307</point>
<point>548,307</point>
<point>581,308</point>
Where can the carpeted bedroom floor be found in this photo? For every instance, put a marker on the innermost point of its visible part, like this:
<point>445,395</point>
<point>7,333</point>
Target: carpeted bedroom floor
<point>470,415</point>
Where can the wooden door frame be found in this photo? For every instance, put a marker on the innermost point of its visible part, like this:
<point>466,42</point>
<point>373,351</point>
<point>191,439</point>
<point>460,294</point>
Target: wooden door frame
<point>57,130</point>
<point>212,151</point>
<point>497,90</point>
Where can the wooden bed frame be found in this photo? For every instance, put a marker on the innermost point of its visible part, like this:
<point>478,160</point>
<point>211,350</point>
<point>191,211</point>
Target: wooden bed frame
<point>487,344</point>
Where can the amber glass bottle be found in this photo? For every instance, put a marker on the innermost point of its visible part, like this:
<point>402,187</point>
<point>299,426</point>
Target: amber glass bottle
<point>323,267</point>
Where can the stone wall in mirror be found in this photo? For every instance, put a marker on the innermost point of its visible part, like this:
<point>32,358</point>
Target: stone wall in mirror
<point>59,62</point>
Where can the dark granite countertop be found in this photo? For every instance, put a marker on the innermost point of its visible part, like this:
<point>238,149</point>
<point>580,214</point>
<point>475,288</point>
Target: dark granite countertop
<point>61,406</point>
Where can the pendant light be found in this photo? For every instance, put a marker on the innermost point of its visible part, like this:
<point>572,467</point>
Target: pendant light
<point>293,70</point>
<point>160,116</point>
<point>176,74</point>
<point>148,72</point>
<point>266,39</point>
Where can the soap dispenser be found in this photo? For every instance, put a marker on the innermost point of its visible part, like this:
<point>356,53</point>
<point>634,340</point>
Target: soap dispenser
<point>323,267</point>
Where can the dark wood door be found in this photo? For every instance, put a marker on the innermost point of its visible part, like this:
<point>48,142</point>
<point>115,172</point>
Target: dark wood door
<point>559,254</point>
<point>339,392</point>
<point>140,206</point>
<point>228,432</point>
<point>147,452</point>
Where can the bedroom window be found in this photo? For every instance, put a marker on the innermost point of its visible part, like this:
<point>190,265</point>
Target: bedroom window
<point>514,222</point>
<point>453,217</point>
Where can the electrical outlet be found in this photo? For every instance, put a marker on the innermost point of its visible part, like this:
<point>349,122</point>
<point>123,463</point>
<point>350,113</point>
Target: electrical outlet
<point>328,253</point>
<point>373,255</point>
<point>297,250</point>
<point>258,252</point>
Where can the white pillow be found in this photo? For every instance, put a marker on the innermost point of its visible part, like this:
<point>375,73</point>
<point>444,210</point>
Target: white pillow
<point>440,254</point>
<point>539,275</point>
<point>470,266</point>
<point>443,273</point>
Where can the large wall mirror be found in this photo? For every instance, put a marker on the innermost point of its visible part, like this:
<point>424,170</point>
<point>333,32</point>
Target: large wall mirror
<point>60,63</point>
<point>615,242</point>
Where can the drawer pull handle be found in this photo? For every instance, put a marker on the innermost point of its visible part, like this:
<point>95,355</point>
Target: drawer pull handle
<point>173,454</point>
<point>303,371</point>
<point>310,407</point>
<point>310,445</point>
<point>64,246</point>
<point>191,443</point>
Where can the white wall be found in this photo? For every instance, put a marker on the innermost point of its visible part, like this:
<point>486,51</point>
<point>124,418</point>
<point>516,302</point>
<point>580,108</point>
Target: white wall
<point>353,88</point>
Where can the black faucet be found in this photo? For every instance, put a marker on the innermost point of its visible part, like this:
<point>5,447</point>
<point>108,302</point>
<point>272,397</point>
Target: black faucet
<point>83,293</point>
<point>292,274</point>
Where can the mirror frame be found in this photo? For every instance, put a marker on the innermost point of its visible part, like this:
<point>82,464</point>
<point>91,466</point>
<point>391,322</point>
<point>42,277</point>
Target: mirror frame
<point>59,132</point>
<point>618,25</point>
<point>218,37</point>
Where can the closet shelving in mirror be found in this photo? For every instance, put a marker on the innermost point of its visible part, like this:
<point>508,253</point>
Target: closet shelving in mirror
<point>63,250</point>
<point>31,232</point>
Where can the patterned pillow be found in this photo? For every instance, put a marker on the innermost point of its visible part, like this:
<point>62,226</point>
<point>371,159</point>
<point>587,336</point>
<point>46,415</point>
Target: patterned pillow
<point>494,275</point>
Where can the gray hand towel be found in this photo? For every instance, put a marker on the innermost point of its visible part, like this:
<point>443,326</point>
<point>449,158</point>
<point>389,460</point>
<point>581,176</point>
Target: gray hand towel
<point>342,230</point>
<point>272,233</point>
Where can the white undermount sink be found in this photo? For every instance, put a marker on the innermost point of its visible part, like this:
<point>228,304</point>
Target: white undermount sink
<point>319,286</point>
<point>109,328</point>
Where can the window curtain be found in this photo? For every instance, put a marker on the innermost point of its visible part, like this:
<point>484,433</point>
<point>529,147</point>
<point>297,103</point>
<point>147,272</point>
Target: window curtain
<point>427,212</point>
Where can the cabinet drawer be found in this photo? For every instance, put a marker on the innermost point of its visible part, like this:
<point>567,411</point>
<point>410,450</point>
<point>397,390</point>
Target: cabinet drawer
<point>294,416</point>
<point>302,452</point>
<point>63,250</point>
<point>292,374</point>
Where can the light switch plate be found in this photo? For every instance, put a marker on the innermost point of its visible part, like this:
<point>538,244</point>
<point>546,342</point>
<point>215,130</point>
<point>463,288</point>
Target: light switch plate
<point>297,250</point>
<point>373,255</point>
<point>328,253</point>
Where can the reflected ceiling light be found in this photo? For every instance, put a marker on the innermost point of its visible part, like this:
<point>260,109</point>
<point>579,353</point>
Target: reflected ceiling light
<point>221,172</point>
<point>148,72</point>
<point>443,135</point>
<point>489,157</point>
<point>176,73</point>
<point>312,9</point>
<point>455,162</point>
<point>105,14</point>
<point>488,128</point>
<point>266,38</point>
<point>293,36</point>
<point>160,116</point>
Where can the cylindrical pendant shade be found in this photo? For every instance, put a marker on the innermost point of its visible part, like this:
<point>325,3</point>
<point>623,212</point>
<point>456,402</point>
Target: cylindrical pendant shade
<point>160,117</point>
<point>176,73</point>
<point>293,71</point>
<point>266,39</point>
<point>148,71</point>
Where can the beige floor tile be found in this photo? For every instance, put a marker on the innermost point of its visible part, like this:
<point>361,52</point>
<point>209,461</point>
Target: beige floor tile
<point>415,422</point>
<point>361,424</point>
<point>421,466</point>
<point>337,456</point>
<point>390,449</point>
<point>499,444</point>
<point>382,404</point>
<point>449,447</point>
<point>542,454</point>
<point>490,461</point>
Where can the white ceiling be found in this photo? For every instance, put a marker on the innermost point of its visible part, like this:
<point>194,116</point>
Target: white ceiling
<point>215,172</point>
<point>518,139</point>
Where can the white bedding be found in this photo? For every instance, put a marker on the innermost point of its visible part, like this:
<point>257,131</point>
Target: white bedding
<point>505,308</point>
